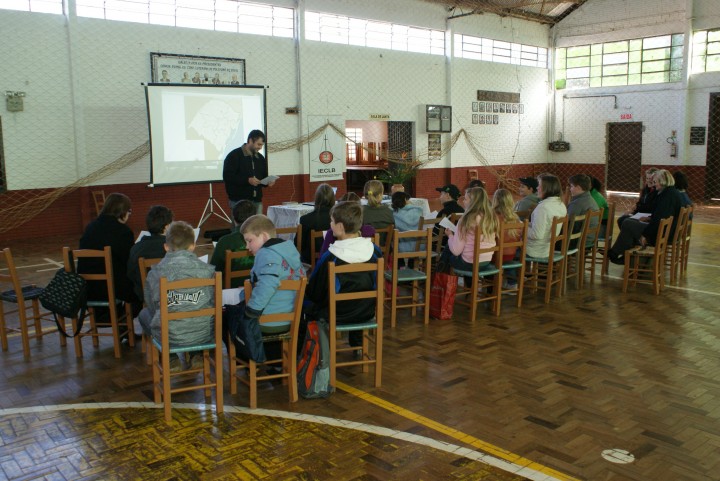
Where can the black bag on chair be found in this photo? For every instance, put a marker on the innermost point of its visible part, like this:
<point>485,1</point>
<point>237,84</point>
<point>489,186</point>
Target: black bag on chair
<point>66,295</point>
<point>245,333</point>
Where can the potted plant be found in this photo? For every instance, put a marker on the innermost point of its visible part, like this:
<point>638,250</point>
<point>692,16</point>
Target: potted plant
<point>400,173</point>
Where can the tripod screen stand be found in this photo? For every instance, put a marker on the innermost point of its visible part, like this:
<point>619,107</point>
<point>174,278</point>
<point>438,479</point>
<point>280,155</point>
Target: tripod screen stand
<point>209,210</point>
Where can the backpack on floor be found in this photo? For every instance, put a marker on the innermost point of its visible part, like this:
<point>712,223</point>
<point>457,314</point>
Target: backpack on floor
<point>313,368</point>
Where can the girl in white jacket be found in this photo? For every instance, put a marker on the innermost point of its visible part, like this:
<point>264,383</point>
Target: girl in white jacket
<point>549,191</point>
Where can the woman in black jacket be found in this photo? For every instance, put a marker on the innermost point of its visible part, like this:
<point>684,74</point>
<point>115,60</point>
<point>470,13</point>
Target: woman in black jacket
<point>318,220</point>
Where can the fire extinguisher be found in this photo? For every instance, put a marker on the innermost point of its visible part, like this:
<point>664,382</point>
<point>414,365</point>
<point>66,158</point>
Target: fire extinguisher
<point>672,140</point>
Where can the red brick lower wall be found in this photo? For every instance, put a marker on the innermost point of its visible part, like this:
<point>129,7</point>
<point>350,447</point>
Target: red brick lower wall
<point>69,214</point>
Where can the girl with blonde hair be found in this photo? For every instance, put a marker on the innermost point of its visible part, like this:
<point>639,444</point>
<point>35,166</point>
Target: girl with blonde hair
<point>502,204</point>
<point>460,250</point>
<point>375,213</point>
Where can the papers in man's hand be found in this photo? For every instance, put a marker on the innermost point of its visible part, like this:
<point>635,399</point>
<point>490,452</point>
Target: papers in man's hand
<point>640,215</point>
<point>448,224</point>
<point>268,179</point>
<point>142,234</point>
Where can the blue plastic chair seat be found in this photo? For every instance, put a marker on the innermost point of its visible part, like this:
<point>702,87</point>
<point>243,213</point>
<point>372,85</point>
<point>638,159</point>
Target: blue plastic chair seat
<point>371,324</point>
<point>406,275</point>
<point>510,265</point>
<point>178,349</point>
<point>484,272</point>
<point>557,257</point>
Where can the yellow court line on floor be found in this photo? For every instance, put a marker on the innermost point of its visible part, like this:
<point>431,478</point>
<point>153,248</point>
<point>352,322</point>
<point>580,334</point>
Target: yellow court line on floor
<point>454,433</point>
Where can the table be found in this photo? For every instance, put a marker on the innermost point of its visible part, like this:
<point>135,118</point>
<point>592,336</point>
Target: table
<point>288,215</point>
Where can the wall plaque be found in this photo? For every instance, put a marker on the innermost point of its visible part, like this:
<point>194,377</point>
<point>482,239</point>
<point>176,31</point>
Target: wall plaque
<point>491,96</point>
<point>697,135</point>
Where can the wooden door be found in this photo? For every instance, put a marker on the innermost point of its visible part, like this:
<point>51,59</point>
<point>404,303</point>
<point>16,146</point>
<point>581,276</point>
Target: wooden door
<point>712,163</point>
<point>400,141</point>
<point>624,156</point>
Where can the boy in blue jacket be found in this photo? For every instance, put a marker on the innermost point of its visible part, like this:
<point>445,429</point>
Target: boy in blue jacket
<point>275,260</point>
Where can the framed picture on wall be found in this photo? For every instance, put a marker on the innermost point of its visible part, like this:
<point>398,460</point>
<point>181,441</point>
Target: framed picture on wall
<point>514,108</point>
<point>481,106</point>
<point>502,108</point>
<point>481,120</point>
<point>475,118</point>
<point>434,146</point>
<point>475,106</point>
<point>521,108</point>
<point>193,69</point>
<point>496,119</point>
<point>488,119</point>
<point>496,107</point>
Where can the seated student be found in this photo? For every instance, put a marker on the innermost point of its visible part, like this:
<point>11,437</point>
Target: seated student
<point>375,213</point>
<point>406,217</point>
<point>681,184</point>
<point>449,195</point>
<point>235,242</point>
<point>596,192</point>
<point>275,260</point>
<point>502,205</point>
<point>318,219</point>
<point>460,250</point>
<point>365,231</point>
<point>476,183</point>
<point>110,229</point>
<point>550,206</point>
<point>150,246</point>
<point>180,262</point>
<point>581,203</point>
<point>528,192</point>
<point>647,198</point>
<point>349,248</point>
<point>644,231</point>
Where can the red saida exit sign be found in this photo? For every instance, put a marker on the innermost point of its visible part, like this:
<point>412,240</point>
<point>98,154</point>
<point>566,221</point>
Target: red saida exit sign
<point>625,116</point>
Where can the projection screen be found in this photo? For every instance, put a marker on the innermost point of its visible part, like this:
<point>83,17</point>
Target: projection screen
<point>193,127</point>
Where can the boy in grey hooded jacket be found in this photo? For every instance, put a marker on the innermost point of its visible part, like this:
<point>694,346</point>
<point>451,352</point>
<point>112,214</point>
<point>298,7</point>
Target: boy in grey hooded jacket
<point>180,262</point>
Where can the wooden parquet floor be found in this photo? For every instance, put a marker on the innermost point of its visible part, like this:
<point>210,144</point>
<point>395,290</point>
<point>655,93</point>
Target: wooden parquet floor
<point>556,384</point>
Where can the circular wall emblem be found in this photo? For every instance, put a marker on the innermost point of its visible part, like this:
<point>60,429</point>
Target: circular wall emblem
<point>326,157</point>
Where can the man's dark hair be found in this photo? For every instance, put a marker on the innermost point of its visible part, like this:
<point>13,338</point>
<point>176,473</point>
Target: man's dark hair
<point>681,180</point>
<point>582,181</point>
<point>116,205</point>
<point>349,214</point>
<point>243,210</point>
<point>596,184</point>
<point>255,134</point>
<point>157,218</point>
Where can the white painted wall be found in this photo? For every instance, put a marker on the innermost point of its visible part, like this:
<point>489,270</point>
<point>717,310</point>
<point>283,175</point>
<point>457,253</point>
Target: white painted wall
<point>661,108</point>
<point>85,106</point>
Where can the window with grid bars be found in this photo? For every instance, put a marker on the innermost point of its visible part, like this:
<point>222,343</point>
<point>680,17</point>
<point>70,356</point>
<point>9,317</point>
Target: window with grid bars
<point>627,62</point>
<point>490,50</point>
<point>352,137</point>
<point>41,6</point>
<point>325,27</point>
<point>706,51</point>
<point>222,15</point>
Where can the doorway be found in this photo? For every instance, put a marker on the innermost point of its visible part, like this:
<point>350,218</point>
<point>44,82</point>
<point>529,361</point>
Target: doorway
<point>712,162</point>
<point>624,156</point>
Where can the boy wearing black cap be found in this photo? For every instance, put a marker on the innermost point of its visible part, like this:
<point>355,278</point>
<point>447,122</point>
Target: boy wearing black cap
<point>449,194</point>
<point>528,191</point>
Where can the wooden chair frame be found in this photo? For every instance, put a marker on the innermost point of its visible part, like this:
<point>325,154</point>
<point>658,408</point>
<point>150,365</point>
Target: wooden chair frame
<point>112,303</point>
<point>686,243</point>
<point>228,273</point>
<point>420,273</point>
<point>289,340</point>
<point>437,237</point>
<point>513,265</point>
<point>375,324</point>
<point>98,199</point>
<point>315,236</point>
<point>162,377</point>
<point>486,285</point>
<point>20,295</point>
<point>673,254</point>
<point>144,266</point>
<point>296,231</point>
<point>590,255</point>
<point>548,271</point>
<point>653,256</point>
<point>387,246</point>
<point>605,241</point>
<point>574,257</point>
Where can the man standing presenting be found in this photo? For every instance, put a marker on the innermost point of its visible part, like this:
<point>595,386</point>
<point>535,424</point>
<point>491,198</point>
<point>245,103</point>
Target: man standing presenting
<point>243,170</point>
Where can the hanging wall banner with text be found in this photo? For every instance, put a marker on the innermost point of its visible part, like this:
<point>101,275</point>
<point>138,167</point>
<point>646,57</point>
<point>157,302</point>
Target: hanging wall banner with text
<point>326,152</point>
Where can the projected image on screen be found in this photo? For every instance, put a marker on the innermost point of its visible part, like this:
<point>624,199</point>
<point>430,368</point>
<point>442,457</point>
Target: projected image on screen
<point>192,129</point>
